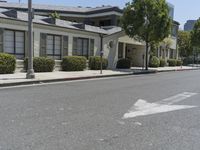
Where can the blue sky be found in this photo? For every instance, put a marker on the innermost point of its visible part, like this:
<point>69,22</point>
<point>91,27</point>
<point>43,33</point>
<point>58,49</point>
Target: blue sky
<point>184,9</point>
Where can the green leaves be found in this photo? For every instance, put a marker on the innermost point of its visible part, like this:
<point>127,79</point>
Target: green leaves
<point>184,43</point>
<point>147,19</point>
<point>7,63</point>
<point>73,63</point>
<point>195,34</point>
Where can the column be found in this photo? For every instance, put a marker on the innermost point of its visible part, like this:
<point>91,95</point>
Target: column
<point>124,50</point>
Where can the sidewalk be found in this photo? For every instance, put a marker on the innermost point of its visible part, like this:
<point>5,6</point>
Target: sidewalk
<point>167,69</point>
<point>20,78</point>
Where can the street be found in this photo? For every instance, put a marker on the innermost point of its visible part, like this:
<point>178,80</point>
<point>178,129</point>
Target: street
<point>145,112</point>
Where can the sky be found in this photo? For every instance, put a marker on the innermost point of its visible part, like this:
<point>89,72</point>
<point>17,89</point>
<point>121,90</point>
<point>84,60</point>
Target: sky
<point>184,9</point>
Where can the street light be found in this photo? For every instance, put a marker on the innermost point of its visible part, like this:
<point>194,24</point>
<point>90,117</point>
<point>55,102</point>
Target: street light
<point>30,72</point>
<point>101,55</point>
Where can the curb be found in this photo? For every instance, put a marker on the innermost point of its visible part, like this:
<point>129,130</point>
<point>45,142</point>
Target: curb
<point>61,79</point>
<point>176,70</point>
<point>90,77</point>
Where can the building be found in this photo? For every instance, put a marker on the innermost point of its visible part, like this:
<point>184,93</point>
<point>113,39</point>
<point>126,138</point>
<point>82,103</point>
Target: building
<point>80,31</point>
<point>171,10</point>
<point>189,25</point>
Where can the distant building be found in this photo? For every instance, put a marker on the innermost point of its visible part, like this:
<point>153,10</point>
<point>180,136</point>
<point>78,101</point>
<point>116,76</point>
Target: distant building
<point>189,25</point>
<point>171,10</point>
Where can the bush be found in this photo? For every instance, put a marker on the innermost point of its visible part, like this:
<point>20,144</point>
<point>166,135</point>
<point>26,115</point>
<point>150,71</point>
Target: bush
<point>188,60</point>
<point>41,64</point>
<point>162,62</point>
<point>179,62</point>
<point>95,63</point>
<point>7,63</point>
<point>73,63</point>
<point>172,62</point>
<point>154,62</point>
<point>124,63</point>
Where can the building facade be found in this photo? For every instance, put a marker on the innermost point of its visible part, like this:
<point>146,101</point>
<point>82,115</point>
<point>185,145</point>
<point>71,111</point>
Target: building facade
<point>80,31</point>
<point>189,25</point>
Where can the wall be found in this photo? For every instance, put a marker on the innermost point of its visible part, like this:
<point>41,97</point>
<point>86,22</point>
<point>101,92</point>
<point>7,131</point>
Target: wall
<point>37,29</point>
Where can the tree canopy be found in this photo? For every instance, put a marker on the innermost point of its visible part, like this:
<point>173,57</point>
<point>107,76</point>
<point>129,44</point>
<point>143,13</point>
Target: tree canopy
<point>147,20</point>
<point>195,34</point>
<point>55,15</point>
<point>184,43</point>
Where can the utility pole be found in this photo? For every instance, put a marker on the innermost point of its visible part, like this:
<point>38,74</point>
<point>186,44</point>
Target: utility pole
<point>101,55</point>
<point>30,72</point>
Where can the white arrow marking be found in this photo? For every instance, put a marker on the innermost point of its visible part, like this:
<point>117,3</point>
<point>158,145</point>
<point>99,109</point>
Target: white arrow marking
<point>143,108</point>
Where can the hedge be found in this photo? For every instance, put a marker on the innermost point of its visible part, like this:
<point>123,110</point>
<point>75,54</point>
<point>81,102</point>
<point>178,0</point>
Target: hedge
<point>172,62</point>
<point>73,63</point>
<point>179,62</point>
<point>95,63</point>
<point>188,60</point>
<point>41,64</point>
<point>162,62</point>
<point>154,62</point>
<point>7,63</point>
<point>123,63</point>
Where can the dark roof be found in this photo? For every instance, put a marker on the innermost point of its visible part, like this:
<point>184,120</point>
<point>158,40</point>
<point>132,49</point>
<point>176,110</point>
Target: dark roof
<point>176,22</point>
<point>23,16</point>
<point>61,9</point>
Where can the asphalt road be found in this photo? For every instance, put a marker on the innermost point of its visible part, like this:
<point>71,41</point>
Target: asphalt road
<point>88,115</point>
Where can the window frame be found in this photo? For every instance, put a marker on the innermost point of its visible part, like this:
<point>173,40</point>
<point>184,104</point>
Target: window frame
<point>14,53</point>
<point>82,46</point>
<point>53,55</point>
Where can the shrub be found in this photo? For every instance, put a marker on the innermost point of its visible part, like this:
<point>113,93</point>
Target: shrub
<point>124,63</point>
<point>188,60</point>
<point>179,62</point>
<point>7,63</point>
<point>41,64</point>
<point>73,63</point>
<point>162,62</point>
<point>95,63</point>
<point>154,62</point>
<point>172,62</point>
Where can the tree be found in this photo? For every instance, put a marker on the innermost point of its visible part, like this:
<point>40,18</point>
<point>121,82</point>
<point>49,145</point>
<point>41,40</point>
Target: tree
<point>195,34</point>
<point>147,20</point>
<point>184,43</point>
<point>55,15</point>
<point>166,43</point>
<point>195,38</point>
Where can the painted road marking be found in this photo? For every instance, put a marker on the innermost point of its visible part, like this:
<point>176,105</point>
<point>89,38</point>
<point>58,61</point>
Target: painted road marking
<point>143,108</point>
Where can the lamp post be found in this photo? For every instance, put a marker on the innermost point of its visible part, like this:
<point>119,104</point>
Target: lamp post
<point>101,55</point>
<point>30,72</point>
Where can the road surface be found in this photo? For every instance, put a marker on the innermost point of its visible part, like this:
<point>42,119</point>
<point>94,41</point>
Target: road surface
<point>102,114</point>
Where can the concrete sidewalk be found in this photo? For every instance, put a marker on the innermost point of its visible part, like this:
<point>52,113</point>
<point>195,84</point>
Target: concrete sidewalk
<point>20,78</point>
<point>167,69</point>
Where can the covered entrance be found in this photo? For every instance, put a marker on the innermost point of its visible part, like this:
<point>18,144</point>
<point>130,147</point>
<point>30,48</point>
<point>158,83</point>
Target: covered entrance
<point>133,50</point>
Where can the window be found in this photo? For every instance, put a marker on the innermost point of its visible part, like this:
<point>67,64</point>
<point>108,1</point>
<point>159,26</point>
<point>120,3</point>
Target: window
<point>120,50</point>
<point>171,53</point>
<point>83,47</point>
<point>105,23</point>
<point>174,31</point>
<point>14,43</point>
<point>160,51</point>
<point>53,49</point>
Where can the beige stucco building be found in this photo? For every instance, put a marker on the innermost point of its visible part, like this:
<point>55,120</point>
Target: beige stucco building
<point>55,38</point>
